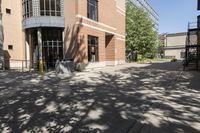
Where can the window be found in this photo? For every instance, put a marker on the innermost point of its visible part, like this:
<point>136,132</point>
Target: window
<point>42,9</point>
<point>182,54</point>
<point>47,8</point>
<point>92,9</point>
<point>93,49</point>
<point>8,11</point>
<point>10,47</point>
<point>27,8</point>
<point>50,8</point>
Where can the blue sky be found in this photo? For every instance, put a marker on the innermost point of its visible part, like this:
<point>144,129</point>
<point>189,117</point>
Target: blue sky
<point>175,14</point>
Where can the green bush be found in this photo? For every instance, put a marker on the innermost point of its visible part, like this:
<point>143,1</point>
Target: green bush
<point>174,60</point>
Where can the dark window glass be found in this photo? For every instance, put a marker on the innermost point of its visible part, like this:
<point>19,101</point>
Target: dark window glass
<point>93,52</point>
<point>27,8</point>
<point>42,8</point>
<point>10,47</point>
<point>58,8</point>
<point>92,9</point>
<point>47,6</point>
<point>8,11</point>
<point>31,8</point>
<point>52,8</point>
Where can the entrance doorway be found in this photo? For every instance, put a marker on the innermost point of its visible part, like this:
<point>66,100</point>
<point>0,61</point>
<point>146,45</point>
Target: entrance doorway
<point>52,47</point>
<point>93,52</point>
<point>52,51</point>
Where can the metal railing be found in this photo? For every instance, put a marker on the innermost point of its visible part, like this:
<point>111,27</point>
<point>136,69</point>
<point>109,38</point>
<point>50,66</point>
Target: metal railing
<point>27,65</point>
<point>20,65</point>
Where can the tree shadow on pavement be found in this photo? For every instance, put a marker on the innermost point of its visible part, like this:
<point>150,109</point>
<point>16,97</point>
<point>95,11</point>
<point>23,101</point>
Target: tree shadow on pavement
<point>131,100</point>
<point>168,66</point>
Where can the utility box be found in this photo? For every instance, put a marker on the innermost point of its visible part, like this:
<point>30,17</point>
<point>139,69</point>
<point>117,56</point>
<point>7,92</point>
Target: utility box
<point>64,67</point>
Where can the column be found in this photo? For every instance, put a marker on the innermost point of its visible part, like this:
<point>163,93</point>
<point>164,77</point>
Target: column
<point>39,36</point>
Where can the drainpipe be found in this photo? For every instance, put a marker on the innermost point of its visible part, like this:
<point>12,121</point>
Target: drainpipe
<point>39,36</point>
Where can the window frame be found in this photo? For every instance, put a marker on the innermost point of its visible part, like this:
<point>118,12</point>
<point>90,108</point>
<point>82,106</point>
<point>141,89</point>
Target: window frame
<point>95,5</point>
<point>54,8</point>
<point>48,11</point>
<point>27,8</point>
<point>95,45</point>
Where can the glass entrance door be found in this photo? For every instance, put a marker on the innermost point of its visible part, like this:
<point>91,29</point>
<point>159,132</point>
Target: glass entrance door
<point>52,47</point>
<point>52,51</point>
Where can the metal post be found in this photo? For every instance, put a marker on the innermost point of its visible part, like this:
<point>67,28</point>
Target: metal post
<point>188,35</point>
<point>198,44</point>
<point>22,66</point>
<point>39,35</point>
<point>197,57</point>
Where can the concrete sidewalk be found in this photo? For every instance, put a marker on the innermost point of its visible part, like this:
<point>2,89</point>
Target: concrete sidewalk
<point>133,98</point>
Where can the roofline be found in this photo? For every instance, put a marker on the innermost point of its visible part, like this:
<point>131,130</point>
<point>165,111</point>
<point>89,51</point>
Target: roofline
<point>176,34</point>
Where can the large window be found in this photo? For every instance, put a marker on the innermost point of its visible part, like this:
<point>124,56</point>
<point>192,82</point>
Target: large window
<point>47,8</point>
<point>93,49</point>
<point>92,9</point>
<point>27,8</point>
<point>50,8</point>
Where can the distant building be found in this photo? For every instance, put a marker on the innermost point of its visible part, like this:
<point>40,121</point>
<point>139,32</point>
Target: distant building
<point>175,45</point>
<point>149,9</point>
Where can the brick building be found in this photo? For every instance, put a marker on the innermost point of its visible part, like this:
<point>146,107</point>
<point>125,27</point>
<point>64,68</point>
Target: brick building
<point>87,31</point>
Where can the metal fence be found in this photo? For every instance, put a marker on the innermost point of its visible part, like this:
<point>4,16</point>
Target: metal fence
<point>20,65</point>
<point>26,65</point>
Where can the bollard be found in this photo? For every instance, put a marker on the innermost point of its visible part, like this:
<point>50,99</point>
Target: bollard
<point>22,66</point>
<point>41,67</point>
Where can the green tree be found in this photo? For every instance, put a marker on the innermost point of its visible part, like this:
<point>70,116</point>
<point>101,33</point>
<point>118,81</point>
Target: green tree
<point>160,48</point>
<point>140,34</point>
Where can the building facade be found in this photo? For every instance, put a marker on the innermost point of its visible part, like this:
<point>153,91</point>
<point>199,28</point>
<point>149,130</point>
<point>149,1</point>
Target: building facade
<point>149,9</point>
<point>85,31</point>
<point>175,45</point>
<point>1,40</point>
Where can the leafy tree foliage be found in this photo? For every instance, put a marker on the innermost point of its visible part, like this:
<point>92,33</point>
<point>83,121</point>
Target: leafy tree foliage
<point>140,34</point>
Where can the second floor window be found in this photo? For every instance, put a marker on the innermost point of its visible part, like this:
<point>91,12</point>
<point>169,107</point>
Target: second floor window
<point>92,9</point>
<point>27,8</point>
<point>50,8</point>
<point>47,8</point>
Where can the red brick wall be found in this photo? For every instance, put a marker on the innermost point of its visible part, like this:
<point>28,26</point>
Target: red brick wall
<point>110,22</point>
<point>110,48</point>
<point>82,54</point>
